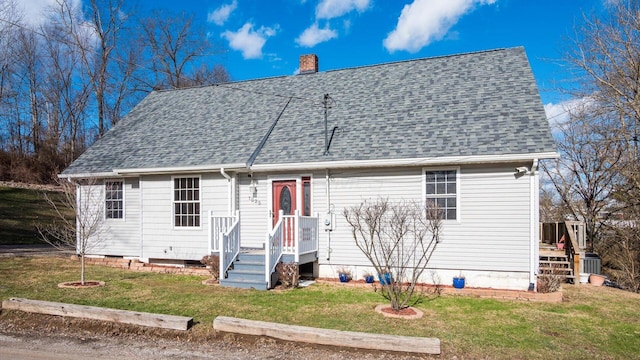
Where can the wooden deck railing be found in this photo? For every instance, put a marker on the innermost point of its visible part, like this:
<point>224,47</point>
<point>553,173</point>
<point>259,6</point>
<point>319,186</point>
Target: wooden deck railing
<point>572,249</point>
<point>569,236</point>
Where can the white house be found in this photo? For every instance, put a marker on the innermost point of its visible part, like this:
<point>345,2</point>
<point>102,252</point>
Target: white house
<point>185,165</point>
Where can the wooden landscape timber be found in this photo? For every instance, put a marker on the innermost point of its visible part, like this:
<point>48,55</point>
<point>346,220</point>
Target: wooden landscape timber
<point>328,337</point>
<point>98,313</point>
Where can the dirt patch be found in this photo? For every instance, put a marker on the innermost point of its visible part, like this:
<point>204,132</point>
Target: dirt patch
<point>114,340</point>
<point>79,285</point>
<point>406,313</point>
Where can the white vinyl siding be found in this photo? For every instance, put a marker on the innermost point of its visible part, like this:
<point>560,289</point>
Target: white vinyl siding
<point>491,235</point>
<point>121,237</point>
<point>161,240</point>
<point>254,212</point>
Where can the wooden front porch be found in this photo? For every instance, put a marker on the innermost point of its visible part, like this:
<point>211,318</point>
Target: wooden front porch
<point>293,239</point>
<point>563,251</point>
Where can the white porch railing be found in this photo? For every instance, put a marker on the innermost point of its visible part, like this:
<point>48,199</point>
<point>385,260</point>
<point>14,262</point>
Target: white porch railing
<point>301,235</point>
<point>273,249</point>
<point>224,238</point>
<point>292,235</point>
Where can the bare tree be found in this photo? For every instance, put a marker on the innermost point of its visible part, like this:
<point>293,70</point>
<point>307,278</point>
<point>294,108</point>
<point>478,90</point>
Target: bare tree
<point>586,175</point>
<point>97,40</point>
<point>79,219</point>
<point>398,239</point>
<point>598,176</point>
<point>176,44</point>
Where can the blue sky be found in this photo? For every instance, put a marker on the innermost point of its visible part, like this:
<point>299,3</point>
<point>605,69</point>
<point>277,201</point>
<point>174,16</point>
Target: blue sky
<point>265,38</point>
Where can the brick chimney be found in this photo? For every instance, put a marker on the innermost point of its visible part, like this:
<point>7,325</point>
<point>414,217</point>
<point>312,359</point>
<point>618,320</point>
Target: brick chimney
<point>308,64</point>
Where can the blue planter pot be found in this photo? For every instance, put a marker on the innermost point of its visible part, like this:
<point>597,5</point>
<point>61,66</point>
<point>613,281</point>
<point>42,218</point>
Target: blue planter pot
<point>458,282</point>
<point>343,277</point>
<point>368,279</point>
<point>385,279</point>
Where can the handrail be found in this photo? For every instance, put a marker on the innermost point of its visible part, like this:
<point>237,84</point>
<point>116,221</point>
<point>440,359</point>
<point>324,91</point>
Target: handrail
<point>273,249</point>
<point>219,225</point>
<point>292,235</point>
<point>225,240</point>
<point>572,247</point>
<point>307,235</point>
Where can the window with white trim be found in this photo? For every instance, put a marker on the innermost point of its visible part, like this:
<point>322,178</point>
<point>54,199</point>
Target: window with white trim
<point>441,191</point>
<point>186,202</point>
<point>114,199</point>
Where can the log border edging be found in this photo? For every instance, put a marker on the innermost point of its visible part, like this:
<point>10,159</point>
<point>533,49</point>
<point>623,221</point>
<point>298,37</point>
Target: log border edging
<point>406,344</point>
<point>97,313</point>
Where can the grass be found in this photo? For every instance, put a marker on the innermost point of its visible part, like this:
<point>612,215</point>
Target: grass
<point>591,323</point>
<point>20,209</point>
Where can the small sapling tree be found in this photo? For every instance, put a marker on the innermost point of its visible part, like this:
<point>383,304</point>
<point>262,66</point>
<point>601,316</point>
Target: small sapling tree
<point>79,220</point>
<point>399,240</point>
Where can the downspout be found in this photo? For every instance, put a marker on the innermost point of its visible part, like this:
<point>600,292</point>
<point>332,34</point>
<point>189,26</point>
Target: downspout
<point>534,231</point>
<point>230,199</point>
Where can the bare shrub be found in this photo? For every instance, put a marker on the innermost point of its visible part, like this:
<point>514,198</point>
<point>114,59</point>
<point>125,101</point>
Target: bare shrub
<point>551,280</point>
<point>620,253</point>
<point>288,273</point>
<point>399,240</point>
<point>212,262</point>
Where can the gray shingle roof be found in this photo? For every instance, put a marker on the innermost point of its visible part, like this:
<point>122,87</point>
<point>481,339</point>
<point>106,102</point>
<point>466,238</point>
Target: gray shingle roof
<point>484,103</point>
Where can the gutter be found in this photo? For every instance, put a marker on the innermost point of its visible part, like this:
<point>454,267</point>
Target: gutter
<point>427,161</point>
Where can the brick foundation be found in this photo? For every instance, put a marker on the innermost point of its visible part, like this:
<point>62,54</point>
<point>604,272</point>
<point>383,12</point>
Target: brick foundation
<point>135,265</point>
<point>555,297</point>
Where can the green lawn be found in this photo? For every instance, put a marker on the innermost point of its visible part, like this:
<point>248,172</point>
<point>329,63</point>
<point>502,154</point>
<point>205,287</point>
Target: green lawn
<point>591,323</point>
<point>20,210</point>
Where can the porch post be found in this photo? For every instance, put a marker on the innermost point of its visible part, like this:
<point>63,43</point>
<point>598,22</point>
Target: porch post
<point>210,232</point>
<point>296,236</point>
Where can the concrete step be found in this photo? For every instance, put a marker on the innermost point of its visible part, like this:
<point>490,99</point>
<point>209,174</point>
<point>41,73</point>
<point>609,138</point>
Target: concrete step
<point>248,271</point>
<point>236,274</point>
<point>244,284</point>
<point>245,266</point>
<point>251,257</point>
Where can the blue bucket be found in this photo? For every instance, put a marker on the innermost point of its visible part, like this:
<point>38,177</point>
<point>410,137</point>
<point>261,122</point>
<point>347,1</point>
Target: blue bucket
<point>458,282</point>
<point>385,279</point>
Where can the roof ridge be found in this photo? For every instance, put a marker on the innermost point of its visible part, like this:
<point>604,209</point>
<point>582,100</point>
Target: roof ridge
<point>228,83</point>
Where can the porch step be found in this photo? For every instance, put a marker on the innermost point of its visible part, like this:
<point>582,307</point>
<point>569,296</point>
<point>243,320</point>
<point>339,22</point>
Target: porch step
<point>555,263</point>
<point>248,271</point>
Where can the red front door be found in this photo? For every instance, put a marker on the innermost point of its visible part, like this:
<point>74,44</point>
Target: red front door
<point>284,198</point>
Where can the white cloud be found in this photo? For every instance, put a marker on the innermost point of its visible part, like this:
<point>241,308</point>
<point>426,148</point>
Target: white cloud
<point>559,114</point>
<point>329,9</point>
<point>314,35</point>
<point>35,11</point>
<point>220,15</point>
<point>249,41</point>
<point>425,21</point>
